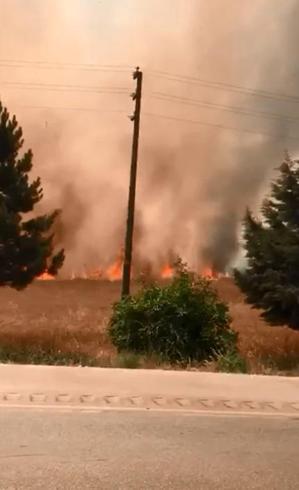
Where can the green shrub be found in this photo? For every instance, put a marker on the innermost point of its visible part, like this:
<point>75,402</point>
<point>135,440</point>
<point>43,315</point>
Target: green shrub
<point>127,360</point>
<point>231,362</point>
<point>181,322</point>
<point>36,355</point>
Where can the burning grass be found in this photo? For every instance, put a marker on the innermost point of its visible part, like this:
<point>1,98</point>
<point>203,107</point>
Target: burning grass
<point>64,322</point>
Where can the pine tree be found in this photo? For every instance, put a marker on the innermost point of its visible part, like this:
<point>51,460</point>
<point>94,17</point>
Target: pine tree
<point>26,246</point>
<point>271,279</point>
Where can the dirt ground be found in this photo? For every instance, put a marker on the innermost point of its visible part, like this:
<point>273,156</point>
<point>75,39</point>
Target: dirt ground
<point>72,315</point>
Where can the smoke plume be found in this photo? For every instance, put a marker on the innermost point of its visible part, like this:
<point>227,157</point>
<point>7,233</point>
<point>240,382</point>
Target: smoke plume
<point>201,163</point>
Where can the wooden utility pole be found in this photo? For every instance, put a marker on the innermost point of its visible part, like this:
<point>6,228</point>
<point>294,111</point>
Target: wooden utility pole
<point>136,96</point>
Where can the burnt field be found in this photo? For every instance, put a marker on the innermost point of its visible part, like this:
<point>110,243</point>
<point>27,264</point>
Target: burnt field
<point>71,316</point>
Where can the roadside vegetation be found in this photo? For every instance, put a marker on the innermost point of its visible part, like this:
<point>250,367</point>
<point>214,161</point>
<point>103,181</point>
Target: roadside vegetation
<point>181,323</point>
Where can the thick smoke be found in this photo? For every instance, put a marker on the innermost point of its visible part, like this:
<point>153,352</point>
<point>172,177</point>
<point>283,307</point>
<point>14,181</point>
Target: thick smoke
<point>195,180</point>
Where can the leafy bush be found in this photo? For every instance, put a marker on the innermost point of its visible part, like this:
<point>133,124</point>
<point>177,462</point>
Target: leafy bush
<point>127,360</point>
<point>231,362</point>
<point>181,322</point>
<point>46,357</point>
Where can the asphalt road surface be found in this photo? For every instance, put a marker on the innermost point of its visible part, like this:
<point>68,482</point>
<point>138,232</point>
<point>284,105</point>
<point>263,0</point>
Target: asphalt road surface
<point>43,449</point>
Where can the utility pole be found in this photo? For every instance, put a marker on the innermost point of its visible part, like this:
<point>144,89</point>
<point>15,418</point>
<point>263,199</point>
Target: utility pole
<point>136,96</point>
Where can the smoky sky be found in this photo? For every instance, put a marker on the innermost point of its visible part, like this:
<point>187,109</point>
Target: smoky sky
<point>202,161</point>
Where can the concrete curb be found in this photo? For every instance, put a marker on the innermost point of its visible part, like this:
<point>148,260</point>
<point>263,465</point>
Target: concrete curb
<point>94,389</point>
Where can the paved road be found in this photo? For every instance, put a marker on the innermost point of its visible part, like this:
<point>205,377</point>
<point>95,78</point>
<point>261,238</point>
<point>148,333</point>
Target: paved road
<point>53,450</point>
<point>74,428</point>
<point>98,388</point>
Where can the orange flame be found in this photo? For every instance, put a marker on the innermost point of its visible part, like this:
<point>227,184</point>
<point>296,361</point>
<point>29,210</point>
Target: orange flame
<point>167,272</point>
<point>208,272</point>
<point>114,272</point>
<point>45,276</point>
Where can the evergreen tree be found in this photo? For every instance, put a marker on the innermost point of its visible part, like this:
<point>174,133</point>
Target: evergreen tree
<point>271,279</point>
<point>26,246</point>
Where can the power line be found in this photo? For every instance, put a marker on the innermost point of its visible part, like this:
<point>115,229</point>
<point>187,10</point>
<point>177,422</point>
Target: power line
<point>157,95</point>
<point>161,116</point>
<point>48,65</point>
<point>68,108</point>
<point>118,111</point>
<point>219,126</point>
<point>64,87</point>
<point>17,63</point>
<point>211,105</point>
<point>226,86</point>
<point>13,63</point>
<point>123,90</point>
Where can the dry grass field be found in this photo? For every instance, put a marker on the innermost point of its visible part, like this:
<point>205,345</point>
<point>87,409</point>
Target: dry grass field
<point>71,317</point>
